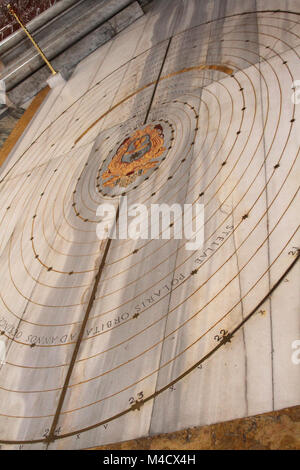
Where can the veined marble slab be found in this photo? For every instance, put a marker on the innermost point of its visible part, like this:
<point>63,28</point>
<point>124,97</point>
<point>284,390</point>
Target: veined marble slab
<point>173,338</point>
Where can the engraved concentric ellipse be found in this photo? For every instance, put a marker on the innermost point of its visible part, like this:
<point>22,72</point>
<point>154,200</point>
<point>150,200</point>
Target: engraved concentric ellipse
<point>214,135</point>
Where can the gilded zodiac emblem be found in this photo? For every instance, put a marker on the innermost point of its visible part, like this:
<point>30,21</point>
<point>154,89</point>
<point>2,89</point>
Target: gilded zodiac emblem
<point>135,156</point>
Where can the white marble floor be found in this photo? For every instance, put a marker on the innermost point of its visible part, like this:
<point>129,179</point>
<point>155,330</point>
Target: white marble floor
<point>217,77</point>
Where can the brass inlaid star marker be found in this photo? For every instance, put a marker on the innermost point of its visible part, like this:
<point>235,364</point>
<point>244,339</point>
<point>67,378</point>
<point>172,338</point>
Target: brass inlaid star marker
<point>226,338</point>
<point>137,406</point>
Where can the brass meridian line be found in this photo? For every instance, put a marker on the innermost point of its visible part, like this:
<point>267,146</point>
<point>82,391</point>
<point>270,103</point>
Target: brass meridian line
<point>158,80</point>
<point>52,436</point>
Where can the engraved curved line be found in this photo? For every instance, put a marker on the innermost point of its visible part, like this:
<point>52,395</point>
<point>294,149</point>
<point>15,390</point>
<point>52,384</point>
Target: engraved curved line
<point>220,68</point>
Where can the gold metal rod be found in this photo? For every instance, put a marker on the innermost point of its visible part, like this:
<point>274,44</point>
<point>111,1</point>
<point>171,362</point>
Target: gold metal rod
<point>12,12</point>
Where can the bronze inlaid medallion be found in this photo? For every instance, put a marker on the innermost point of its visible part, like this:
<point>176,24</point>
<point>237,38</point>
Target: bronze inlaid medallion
<point>135,158</point>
